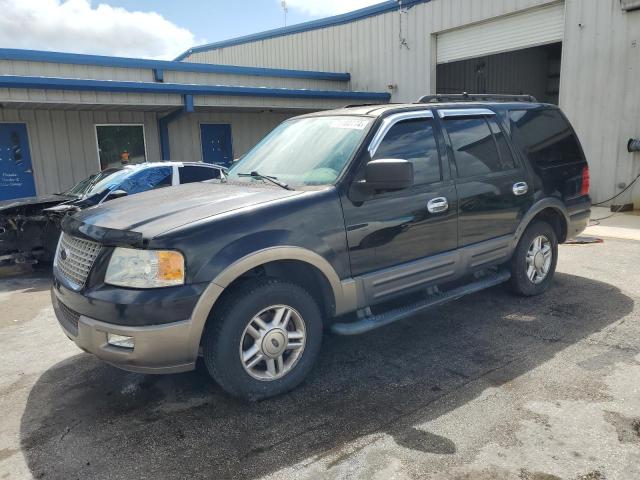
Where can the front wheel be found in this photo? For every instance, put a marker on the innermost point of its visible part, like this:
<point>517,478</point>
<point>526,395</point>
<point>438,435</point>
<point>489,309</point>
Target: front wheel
<point>264,339</point>
<point>534,260</point>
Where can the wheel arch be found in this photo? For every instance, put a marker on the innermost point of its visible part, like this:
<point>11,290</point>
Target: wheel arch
<point>550,210</point>
<point>341,293</point>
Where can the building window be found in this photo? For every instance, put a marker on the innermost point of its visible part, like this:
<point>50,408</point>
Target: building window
<point>120,145</point>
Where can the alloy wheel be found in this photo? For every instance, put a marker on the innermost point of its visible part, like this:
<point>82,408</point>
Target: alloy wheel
<point>272,342</point>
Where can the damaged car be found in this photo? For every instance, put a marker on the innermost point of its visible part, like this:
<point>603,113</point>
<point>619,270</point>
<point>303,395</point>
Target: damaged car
<point>30,227</point>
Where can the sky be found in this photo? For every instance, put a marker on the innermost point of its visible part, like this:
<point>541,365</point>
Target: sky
<point>159,29</point>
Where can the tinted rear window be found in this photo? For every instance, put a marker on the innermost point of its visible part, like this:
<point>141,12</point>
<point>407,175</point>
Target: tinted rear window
<point>473,146</point>
<point>193,173</point>
<point>546,137</point>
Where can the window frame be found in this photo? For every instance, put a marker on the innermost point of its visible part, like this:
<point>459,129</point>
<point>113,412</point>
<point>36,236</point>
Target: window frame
<point>484,114</point>
<point>144,138</point>
<point>392,120</point>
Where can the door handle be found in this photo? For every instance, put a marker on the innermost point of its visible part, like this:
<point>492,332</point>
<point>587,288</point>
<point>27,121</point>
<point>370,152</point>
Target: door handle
<point>520,188</point>
<point>438,205</point>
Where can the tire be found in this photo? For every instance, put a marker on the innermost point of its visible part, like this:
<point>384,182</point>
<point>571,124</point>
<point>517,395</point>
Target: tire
<point>234,331</point>
<point>526,253</point>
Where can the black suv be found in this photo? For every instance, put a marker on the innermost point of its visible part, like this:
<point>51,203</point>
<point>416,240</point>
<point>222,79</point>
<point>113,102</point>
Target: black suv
<point>321,225</point>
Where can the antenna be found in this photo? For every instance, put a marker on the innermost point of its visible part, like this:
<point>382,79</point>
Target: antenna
<point>285,9</point>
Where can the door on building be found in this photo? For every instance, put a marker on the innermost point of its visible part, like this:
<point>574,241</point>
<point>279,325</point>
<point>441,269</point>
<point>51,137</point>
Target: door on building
<point>516,54</point>
<point>16,174</point>
<point>216,143</point>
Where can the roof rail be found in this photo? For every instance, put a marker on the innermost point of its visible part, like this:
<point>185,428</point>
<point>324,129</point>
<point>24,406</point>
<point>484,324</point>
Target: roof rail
<point>475,97</point>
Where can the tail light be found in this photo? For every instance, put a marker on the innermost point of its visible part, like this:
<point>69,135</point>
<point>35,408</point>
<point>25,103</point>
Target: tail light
<point>584,187</point>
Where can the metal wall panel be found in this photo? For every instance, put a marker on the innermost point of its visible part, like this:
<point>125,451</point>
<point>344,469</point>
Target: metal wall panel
<point>538,26</point>
<point>63,143</point>
<point>246,130</point>
<point>370,49</point>
<point>599,87</point>
<point>600,91</point>
<point>64,148</point>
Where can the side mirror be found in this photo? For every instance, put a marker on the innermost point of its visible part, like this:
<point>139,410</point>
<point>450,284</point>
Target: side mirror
<point>116,194</point>
<point>388,174</point>
<point>383,174</point>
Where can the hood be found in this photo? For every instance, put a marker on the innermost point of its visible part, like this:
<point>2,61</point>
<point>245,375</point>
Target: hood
<point>46,200</point>
<point>158,211</point>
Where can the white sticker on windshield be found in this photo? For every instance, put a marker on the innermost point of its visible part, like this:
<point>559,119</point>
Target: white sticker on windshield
<point>351,123</point>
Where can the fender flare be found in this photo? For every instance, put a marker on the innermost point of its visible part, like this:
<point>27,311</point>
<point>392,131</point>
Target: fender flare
<point>535,209</point>
<point>344,291</point>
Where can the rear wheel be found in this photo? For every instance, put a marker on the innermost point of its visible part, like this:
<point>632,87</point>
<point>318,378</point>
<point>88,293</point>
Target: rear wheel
<point>264,339</point>
<point>534,261</point>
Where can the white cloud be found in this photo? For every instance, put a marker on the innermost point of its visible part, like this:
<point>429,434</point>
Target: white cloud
<point>78,26</point>
<point>328,7</point>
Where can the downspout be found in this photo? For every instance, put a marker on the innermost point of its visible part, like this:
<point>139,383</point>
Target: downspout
<point>163,125</point>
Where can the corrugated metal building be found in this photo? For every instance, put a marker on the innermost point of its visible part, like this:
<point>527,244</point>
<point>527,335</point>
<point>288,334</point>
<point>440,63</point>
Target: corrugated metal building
<point>582,54</point>
<point>65,116</point>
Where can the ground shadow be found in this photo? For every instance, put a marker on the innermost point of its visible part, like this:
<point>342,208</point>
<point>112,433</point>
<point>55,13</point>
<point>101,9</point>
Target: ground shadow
<point>85,419</point>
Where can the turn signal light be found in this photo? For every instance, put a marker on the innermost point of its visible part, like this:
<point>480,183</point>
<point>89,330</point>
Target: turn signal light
<point>170,266</point>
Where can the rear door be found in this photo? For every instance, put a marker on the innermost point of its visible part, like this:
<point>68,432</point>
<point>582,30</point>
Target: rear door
<point>494,190</point>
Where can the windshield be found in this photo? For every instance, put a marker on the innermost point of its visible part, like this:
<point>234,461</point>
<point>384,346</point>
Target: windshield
<point>305,151</point>
<point>109,178</point>
<point>79,189</point>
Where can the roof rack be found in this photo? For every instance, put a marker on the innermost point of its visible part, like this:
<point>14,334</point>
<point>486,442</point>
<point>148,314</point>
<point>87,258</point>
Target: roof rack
<point>475,97</point>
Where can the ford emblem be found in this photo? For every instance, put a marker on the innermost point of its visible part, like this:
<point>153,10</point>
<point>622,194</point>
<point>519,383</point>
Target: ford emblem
<point>63,254</point>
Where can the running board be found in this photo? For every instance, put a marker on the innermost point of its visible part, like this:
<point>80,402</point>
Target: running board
<point>372,322</point>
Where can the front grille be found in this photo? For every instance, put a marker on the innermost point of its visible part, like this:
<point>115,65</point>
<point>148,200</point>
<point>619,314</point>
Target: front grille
<point>74,259</point>
<point>68,318</point>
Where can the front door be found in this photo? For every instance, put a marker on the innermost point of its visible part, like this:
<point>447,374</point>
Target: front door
<point>216,143</point>
<point>494,189</point>
<point>397,234</point>
<point>16,174</point>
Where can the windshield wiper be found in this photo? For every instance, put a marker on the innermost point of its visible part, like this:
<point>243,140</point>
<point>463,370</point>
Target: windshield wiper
<point>273,180</point>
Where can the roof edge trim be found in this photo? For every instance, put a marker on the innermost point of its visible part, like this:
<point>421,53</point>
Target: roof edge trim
<point>126,62</point>
<point>55,83</point>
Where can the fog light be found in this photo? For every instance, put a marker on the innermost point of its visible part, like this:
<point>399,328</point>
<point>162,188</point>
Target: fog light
<point>120,341</point>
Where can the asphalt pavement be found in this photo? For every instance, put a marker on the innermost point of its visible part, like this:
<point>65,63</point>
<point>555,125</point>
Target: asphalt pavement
<point>491,387</point>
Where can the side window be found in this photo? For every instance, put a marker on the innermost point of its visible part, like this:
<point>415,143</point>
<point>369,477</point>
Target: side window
<point>415,141</point>
<point>193,173</point>
<point>147,179</point>
<point>546,137</point>
<point>506,157</point>
<point>473,146</point>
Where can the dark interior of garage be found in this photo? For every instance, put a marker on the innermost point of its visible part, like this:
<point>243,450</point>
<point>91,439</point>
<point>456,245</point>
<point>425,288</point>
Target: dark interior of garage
<point>534,71</point>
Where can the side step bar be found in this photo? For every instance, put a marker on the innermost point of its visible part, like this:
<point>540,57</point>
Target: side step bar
<point>375,321</point>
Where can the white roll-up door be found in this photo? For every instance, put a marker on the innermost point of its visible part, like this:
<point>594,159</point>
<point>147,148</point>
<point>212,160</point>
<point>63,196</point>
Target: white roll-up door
<point>535,27</point>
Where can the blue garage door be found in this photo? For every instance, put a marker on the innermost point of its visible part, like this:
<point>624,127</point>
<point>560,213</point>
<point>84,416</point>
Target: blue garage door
<point>216,143</point>
<point>16,174</point>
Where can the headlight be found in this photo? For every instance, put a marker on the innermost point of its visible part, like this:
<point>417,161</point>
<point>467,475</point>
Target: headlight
<point>135,268</point>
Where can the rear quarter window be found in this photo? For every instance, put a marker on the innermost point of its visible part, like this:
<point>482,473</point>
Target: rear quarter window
<point>546,137</point>
<point>194,173</point>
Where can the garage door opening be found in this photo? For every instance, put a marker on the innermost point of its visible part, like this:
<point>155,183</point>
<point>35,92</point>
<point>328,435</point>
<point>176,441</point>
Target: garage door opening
<point>533,71</point>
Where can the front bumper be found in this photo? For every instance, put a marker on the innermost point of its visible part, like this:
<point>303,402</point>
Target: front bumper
<point>165,348</point>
